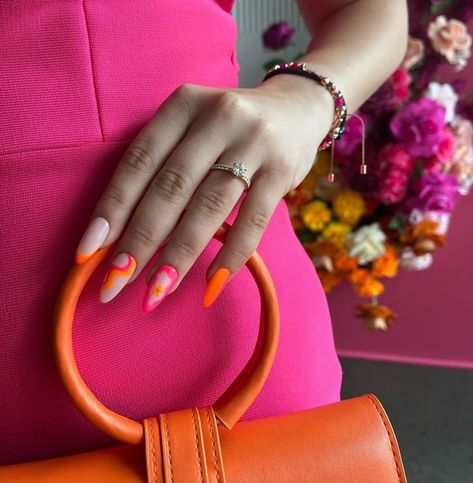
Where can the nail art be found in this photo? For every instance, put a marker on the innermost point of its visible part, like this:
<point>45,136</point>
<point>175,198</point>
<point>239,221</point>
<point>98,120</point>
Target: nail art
<point>92,239</point>
<point>161,282</point>
<point>120,271</point>
<point>215,285</point>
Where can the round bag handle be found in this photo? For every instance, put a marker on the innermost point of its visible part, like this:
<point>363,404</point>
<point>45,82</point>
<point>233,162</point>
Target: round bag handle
<point>229,407</point>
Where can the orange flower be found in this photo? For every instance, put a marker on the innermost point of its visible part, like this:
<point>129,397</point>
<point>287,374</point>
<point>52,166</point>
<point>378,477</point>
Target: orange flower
<point>423,238</point>
<point>297,223</point>
<point>329,279</point>
<point>387,264</point>
<point>358,276</point>
<point>346,264</point>
<point>376,317</point>
<point>364,284</point>
<point>321,248</point>
<point>369,288</point>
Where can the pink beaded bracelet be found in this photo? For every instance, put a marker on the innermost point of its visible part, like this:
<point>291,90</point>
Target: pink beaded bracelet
<point>340,116</point>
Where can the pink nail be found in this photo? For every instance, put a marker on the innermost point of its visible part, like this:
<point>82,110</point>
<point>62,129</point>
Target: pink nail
<point>120,271</point>
<point>92,239</point>
<point>159,285</point>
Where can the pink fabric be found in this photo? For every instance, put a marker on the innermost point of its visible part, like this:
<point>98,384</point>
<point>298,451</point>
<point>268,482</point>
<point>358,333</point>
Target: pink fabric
<point>79,79</point>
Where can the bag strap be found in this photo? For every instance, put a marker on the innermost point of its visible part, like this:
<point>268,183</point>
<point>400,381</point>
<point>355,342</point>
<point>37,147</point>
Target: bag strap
<point>229,407</point>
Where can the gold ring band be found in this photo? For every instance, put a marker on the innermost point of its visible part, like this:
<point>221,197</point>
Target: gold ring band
<point>237,169</point>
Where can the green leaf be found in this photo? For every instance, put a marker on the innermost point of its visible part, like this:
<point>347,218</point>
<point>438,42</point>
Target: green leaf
<point>306,236</point>
<point>396,223</point>
<point>438,7</point>
<point>272,62</point>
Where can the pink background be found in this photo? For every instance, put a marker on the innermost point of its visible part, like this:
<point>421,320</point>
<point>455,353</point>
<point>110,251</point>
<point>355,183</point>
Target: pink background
<point>434,307</point>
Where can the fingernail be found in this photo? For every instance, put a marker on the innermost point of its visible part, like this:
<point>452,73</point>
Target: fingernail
<point>92,239</point>
<point>161,282</point>
<point>215,285</point>
<point>120,271</point>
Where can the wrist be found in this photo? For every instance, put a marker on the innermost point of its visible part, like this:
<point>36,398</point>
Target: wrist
<point>302,91</point>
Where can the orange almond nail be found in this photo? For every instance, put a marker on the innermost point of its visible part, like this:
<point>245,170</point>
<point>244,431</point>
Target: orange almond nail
<point>215,285</point>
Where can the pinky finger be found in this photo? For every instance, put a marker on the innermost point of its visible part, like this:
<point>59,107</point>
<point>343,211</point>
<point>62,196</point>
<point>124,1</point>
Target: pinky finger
<point>243,236</point>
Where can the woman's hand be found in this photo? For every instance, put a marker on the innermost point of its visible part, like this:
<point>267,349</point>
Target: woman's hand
<point>163,183</point>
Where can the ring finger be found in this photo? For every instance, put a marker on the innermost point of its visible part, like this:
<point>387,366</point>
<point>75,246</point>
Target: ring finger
<point>210,206</point>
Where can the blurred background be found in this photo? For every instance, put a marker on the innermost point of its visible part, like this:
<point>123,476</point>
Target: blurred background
<point>403,319</point>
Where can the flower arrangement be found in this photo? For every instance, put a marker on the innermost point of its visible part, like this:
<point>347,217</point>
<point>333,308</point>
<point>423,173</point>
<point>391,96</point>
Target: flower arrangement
<point>419,150</point>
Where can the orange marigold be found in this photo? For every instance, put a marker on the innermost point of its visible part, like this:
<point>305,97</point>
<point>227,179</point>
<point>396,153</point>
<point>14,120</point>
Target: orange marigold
<point>329,279</point>
<point>387,264</point>
<point>370,288</point>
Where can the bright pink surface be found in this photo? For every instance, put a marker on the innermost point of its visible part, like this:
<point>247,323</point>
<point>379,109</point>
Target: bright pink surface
<point>79,79</point>
<point>435,307</point>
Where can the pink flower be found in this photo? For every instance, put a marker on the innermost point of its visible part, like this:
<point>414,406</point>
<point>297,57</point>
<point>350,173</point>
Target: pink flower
<point>391,94</point>
<point>278,35</point>
<point>393,187</point>
<point>400,80</point>
<point>450,38</point>
<point>395,166</point>
<point>394,156</point>
<point>444,154</point>
<point>351,137</point>
<point>461,164</point>
<point>433,192</point>
<point>414,53</point>
<point>419,126</point>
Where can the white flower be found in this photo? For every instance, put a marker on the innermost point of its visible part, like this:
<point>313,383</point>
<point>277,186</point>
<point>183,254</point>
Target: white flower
<point>443,219</point>
<point>410,261</point>
<point>367,243</point>
<point>444,95</point>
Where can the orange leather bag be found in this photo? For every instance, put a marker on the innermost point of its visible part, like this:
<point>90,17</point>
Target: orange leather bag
<point>351,441</point>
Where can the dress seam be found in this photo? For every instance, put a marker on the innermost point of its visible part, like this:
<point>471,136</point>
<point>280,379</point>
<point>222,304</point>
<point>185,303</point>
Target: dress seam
<point>97,103</point>
<point>64,146</point>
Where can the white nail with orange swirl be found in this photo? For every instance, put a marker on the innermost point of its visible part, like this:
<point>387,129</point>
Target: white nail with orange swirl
<point>120,271</point>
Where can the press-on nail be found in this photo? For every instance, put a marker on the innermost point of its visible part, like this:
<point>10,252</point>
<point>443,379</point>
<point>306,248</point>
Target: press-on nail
<point>161,282</point>
<point>215,285</point>
<point>120,271</point>
<point>92,239</point>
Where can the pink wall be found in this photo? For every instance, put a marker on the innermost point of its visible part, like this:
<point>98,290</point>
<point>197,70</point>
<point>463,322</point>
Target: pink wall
<point>435,306</point>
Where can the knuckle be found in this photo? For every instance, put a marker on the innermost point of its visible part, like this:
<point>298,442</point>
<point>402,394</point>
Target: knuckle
<point>172,183</point>
<point>144,235</point>
<point>184,249</point>
<point>116,196</point>
<point>212,202</point>
<point>257,221</point>
<point>182,95</point>
<point>231,103</point>
<point>263,128</point>
<point>241,254</point>
<point>139,157</point>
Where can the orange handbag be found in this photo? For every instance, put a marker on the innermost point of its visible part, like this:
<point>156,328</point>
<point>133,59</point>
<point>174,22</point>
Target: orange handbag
<point>351,441</point>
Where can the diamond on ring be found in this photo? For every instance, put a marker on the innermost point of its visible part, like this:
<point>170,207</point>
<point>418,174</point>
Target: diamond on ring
<point>237,169</point>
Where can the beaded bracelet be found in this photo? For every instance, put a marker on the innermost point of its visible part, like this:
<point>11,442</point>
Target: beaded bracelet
<point>340,116</point>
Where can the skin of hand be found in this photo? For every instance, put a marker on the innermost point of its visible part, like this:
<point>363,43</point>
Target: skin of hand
<point>162,191</point>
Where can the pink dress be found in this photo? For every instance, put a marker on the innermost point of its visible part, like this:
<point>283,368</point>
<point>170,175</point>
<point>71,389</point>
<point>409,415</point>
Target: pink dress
<point>78,81</point>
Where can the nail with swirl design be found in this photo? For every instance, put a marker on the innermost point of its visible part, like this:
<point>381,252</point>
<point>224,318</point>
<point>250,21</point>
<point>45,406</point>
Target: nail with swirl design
<point>120,271</point>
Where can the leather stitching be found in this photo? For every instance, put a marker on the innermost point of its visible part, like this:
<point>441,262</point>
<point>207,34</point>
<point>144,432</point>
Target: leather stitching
<point>214,451</point>
<point>153,450</point>
<point>197,446</point>
<point>386,426</point>
<point>168,443</point>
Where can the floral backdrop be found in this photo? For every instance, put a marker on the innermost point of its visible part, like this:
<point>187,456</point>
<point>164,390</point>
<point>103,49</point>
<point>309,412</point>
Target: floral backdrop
<point>419,151</point>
